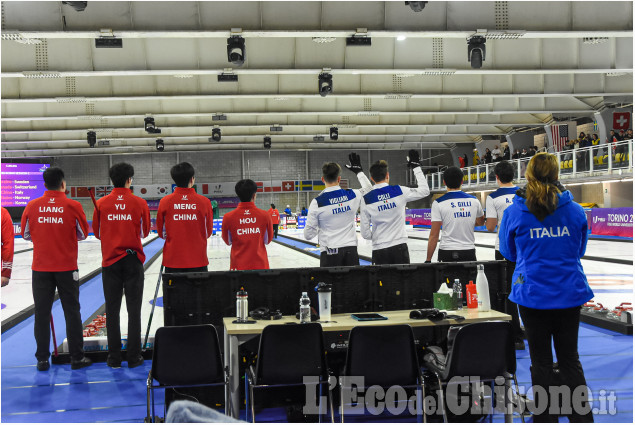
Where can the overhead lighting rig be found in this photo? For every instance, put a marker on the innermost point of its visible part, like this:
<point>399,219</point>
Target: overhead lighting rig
<point>325,84</point>
<point>150,127</point>
<point>91,138</point>
<point>216,135</point>
<point>160,145</point>
<point>266,142</point>
<point>476,51</point>
<point>236,50</point>
<point>334,133</point>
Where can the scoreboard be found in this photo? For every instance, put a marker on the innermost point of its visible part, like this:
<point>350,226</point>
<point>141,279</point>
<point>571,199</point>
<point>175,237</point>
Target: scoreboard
<point>22,183</point>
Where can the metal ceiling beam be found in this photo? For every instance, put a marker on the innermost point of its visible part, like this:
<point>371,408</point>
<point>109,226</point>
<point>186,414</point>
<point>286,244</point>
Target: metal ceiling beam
<point>404,73</point>
<point>284,96</point>
<point>493,34</point>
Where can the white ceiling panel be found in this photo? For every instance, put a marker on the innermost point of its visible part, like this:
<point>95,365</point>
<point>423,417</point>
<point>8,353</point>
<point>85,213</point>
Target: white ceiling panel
<point>620,83</point>
<point>624,56</point>
<point>268,55</point>
<point>302,84</point>
<point>528,83</point>
<point>350,15</point>
<point>132,56</point>
<point>174,53</point>
<point>291,15</point>
<point>594,55</point>
<point>374,84</point>
<point>558,83</point>
<point>585,14</point>
<point>65,55</point>
<point>310,54</point>
<point>35,15</point>
<point>463,84</point>
<point>401,17</point>
<point>211,53</point>
<point>89,87</point>
<point>152,15</point>
<point>560,53</point>
<point>470,14</point>
<point>171,86</point>
<point>498,84</point>
<point>378,55</point>
<point>284,105</point>
<point>589,82</point>
<point>17,57</point>
<point>133,86</point>
<point>261,84</point>
<point>226,15</point>
<point>413,53</point>
<point>113,15</point>
<point>512,54</point>
<point>38,87</point>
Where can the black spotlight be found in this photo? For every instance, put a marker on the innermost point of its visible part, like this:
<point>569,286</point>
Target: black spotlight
<point>236,50</point>
<point>91,138</point>
<point>216,134</point>
<point>334,133</point>
<point>416,6</point>
<point>325,84</point>
<point>476,51</point>
<point>160,145</point>
<point>77,5</point>
<point>150,127</point>
<point>267,142</point>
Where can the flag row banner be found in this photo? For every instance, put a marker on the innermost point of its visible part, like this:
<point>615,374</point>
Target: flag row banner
<point>210,190</point>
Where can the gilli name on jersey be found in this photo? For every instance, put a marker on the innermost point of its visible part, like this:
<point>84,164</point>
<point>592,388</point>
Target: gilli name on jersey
<point>551,232</point>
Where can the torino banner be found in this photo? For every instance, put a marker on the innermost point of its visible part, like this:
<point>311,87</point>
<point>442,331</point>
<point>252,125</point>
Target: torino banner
<point>612,222</point>
<point>419,217</point>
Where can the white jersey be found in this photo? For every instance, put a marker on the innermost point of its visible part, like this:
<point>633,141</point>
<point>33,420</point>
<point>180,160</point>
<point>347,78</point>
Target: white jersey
<point>458,212</point>
<point>496,204</point>
<point>332,214</point>
<point>385,208</point>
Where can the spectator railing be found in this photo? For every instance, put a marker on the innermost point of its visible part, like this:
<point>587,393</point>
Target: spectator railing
<point>589,161</point>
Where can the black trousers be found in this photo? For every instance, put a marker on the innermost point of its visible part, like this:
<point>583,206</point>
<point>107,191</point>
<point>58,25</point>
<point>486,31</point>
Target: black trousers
<point>43,286</point>
<point>511,307</point>
<point>275,230</point>
<point>397,254</point>
<point>346,256</point>
<point>184,270</point>
<point>124,277</point>
<point>449,256</point>
<point>561,326</point>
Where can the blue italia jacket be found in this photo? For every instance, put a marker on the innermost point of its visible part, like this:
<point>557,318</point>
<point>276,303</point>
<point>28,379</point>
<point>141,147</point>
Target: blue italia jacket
<point>548,272</point>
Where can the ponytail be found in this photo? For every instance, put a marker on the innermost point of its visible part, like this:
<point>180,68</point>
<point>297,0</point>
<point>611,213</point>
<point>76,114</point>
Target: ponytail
<point>542,190</point>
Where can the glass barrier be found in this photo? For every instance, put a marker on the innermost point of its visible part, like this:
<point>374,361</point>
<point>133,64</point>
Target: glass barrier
<point>588,161</point>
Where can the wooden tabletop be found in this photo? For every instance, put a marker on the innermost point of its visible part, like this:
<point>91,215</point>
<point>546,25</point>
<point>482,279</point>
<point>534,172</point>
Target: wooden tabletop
<point>344,322</point>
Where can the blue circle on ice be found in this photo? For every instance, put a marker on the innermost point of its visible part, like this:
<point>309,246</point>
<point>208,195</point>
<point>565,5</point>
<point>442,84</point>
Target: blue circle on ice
<point>159,302</point>
<point>3,306</point>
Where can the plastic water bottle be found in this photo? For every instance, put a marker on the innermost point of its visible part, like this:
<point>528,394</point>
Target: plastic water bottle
<point>482,289</point>
<point>458,294</point>
<point>305,308</point>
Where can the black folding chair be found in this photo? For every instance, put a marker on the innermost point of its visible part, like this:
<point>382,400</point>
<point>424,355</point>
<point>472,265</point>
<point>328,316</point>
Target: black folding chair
<point>288,353</point>
<point>485,350</point>
<point>383,356</point>
<point>185,356</point>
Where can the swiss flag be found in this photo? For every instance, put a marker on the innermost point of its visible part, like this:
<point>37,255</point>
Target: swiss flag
<point>205,188</point>
<point>621,120</point>
<point>259,186</point>
<point>288,186</point>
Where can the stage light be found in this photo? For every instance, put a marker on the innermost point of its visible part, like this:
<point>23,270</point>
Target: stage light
<point>334,133</point>
<point>91,138</point>
<point>160,145</point>
<point>77,5</point>
<point>318,138</point>
<point>267,142</point>
<point>236,50</point>
<point>216,135</point>
<point>416,6</point>
<point>476,51</point>
<point>150,127</point>
<point>325,84</point>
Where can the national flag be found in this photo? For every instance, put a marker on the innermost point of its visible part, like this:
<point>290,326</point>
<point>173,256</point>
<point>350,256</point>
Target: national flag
<point>305,185</point>
<point>205,188</point>
<point>80,192</point>
<point>318,185</point>
<point>259,187</point>
<point>560,136</point>
<point>101,191</point>
<point>621,120</point>
<point>288,186</point>
<point>595,126</point>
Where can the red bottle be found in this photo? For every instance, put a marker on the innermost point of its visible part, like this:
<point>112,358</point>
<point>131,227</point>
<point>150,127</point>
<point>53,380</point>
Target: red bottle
<point>472,296</point>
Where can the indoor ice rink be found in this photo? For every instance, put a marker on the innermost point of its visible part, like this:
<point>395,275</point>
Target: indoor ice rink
<point>270,91</point>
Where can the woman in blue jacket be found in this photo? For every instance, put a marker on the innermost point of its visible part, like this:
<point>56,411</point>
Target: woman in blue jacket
<point>545,233</point>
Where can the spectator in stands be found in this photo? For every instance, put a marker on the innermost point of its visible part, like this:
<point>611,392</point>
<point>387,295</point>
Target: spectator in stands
<point>287,211</point>
<point>524,153</point>
<point>496,151</point>
<point>583,156</point>
<point>476,158</point>
<point>467,161</point>
<point>621,136</point>
<point>544,220</point>
<point>304,212</point>
<point>629,134</point>
<point>506,154</point>
<point>461,162</point>
<point>595,141</point>
<point>497,158</point>
<point>531,151</point>
<point>488,156</point>
<point>568,148</point>
<point>516,154</point>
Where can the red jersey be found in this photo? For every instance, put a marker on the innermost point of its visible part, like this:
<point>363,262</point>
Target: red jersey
<point>185,221</point>
<point>248,229</point>
<point>7,243</point>
<point>275,216</point>
<point>120,221</point>
<point>54,223</point>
